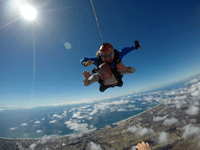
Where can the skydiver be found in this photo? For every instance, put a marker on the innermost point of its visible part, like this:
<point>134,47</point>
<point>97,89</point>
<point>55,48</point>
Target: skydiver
<point>107,54</point>
<point>105,77</point>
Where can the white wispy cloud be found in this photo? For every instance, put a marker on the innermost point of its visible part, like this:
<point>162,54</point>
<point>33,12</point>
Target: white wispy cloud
<point>157,119</point>
<point>180,97</point>
<point>44,139</point>
<point>53,121</point>
<point>32,146</point>
<point>24,124</point>
<point>93,146</point>
<point>189,131</point>
<point>193,110</point>
<point>75,115</point>
<point>141,131</point>
<point>169,122</point>
<point>37,122</point>
<point>57,116</point>
<point>74,125</point>
<point>164,138</point>
<point>13,128</point>
<point>64,114</point>
<point>39,131</point>
<point>148,98</point>
<point>121,109</point>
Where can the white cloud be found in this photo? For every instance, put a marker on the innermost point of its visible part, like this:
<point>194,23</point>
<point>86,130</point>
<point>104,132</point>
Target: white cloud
<point>121,109</point>
<point>190,131</point>
<point>130,106</point>
<point>157,119</point>
<point>163,138</point>
<point>118,102</point>
<point>196,103</point>
<point>172,92</point>
<point>24,124</point>
<point>32,146</point>
<point>195,93</point>
<point>53,121</point>
<point>57,116</point>
<point>169,122</point>
<point>75,115</point>
<point>89,118</point>
<point>193,110</point>
<point>39,131</point>
<point>141,131</point>
<point>181,97</point>
<point>64,113</point>
<point>85,106</point>
<point>158,99</point>
<point>13,128</point>
<point>46,138</point>
<point>93,112</point>
<point>74,125</point>
<point>43,119</point>
<point>81,117</point>
<point>144,103</point>
<point>37,122</point>
<point>193,121</point>
<point>194,81</point>
<point>149,98</point>
<point>93,146</point>
<point>72,109</point>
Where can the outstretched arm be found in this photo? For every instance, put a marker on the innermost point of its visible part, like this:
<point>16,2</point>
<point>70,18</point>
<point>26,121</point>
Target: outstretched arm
<point>127,50</point>
<point>90,79</point>
<point>89,61</point>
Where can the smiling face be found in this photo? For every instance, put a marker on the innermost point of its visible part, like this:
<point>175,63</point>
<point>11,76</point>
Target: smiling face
<point>107,56</point>
<point>106,52</point>
<point>105,71</point>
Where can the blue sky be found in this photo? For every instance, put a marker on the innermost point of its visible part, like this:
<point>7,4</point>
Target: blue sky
<point>168,32</point>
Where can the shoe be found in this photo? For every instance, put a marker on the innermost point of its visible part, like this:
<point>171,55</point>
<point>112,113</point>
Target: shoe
<point>102,88</point>
<point>120,84</point>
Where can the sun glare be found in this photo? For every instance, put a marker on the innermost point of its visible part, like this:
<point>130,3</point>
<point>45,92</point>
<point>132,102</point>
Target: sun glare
<point>28,12</point>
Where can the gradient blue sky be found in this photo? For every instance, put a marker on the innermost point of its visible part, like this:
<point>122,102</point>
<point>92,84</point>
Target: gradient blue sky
<point>168,32</point>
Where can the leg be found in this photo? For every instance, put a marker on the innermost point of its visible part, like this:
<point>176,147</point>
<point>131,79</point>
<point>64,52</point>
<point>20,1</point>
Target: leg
<point>131,70</point>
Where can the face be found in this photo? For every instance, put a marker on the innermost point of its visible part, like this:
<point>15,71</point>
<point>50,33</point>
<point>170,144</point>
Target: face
<point>107,56</point>
<point>105,74</point>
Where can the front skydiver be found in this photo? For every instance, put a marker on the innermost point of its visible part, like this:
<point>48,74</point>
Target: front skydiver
<point>105,74</point>
<point>107,54</point>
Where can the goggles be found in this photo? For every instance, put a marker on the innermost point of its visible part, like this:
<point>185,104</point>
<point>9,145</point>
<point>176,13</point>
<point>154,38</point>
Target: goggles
<point>107,56</point>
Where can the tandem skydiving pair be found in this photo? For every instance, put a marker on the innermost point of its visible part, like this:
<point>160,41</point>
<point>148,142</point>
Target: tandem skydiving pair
<point>110,69</point>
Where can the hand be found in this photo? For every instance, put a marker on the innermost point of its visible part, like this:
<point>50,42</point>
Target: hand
<point>89,63</point>
<point>142,146</point>
<point>86,75</point>
<point>122,67</point>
